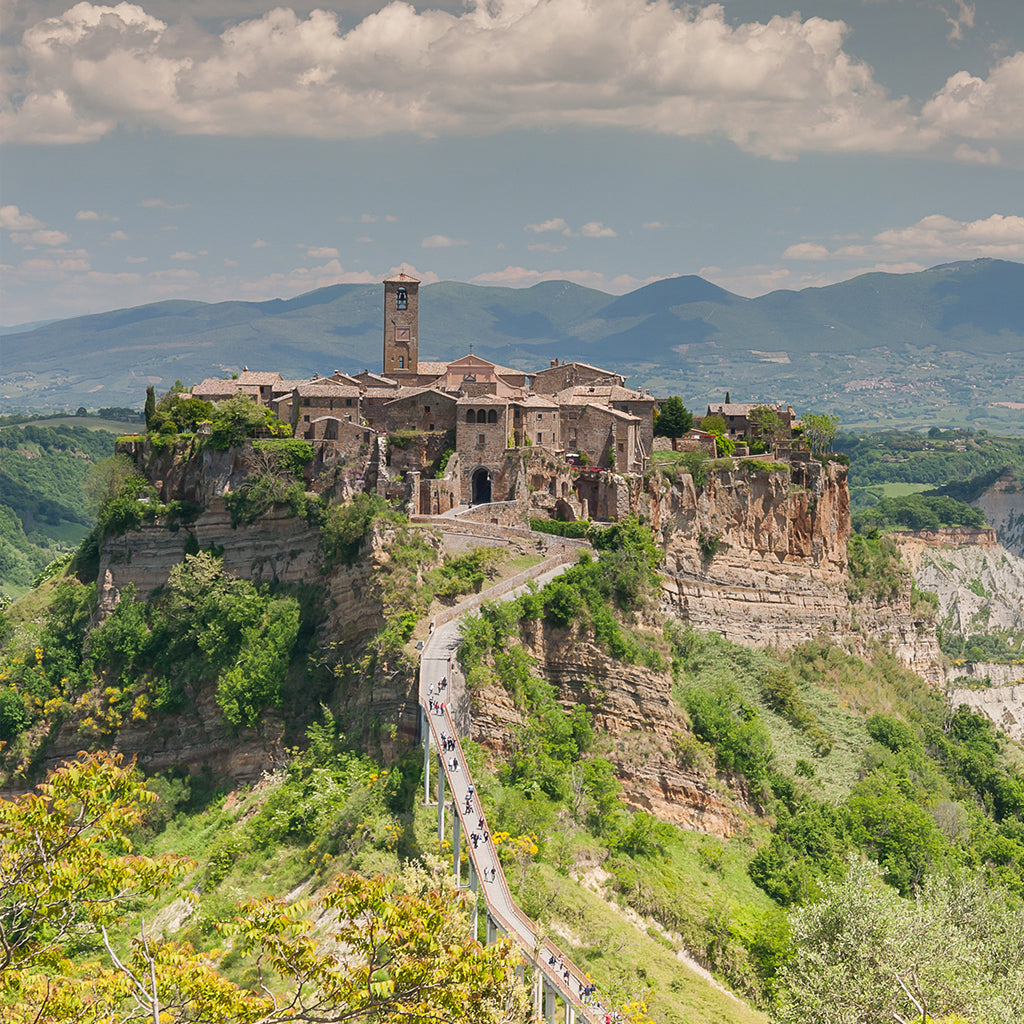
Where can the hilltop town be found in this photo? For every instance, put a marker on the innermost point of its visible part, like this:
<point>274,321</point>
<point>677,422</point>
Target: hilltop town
<point>567,438</point>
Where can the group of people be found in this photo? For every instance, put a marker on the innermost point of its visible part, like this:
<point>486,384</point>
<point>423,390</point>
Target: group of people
<point>587,990</point>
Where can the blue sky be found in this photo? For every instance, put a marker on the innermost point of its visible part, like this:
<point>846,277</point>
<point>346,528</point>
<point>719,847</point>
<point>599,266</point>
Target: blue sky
<point>226,149</point>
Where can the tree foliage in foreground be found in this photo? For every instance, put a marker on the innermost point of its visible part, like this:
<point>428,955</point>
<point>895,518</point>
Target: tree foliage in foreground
<point>386,949</point>
<point>864,955</point>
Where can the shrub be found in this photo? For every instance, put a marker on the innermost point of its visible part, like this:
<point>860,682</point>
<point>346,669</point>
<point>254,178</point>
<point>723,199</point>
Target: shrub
<point>345,526</point>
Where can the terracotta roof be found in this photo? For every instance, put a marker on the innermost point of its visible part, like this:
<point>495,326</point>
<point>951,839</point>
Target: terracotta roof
<point>585,366</point>
<point>388,394</point>
<point>327,390</point>
<point>417,392</point>
<point>483,400</point>
<point>603,393</point>
<point>536,402</point>
<point>384,382</point>
<point>403,277</point>
<point>285,386</point>
<point>741,409</point>
<point>258,377</point>
<point>216,386</point>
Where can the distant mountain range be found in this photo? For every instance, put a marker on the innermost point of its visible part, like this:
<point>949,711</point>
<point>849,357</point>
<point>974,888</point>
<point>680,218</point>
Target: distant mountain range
<point>944,345</point>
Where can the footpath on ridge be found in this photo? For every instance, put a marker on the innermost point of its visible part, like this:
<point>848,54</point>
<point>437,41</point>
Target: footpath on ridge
<point>554,975</point>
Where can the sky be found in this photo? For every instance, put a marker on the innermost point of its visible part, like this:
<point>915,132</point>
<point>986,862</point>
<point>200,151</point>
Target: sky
<point>228,149</point>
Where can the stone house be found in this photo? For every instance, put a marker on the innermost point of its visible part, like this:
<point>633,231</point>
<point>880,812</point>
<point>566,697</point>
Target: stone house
<point>559,376</point>
<point>609,438</point>
<point>315,399</point>
<point>482,433</point>
<point>536,421</point>
<point>426,409</point>
<point>737,422</point>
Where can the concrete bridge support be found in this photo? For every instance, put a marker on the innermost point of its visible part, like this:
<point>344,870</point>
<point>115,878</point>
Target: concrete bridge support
<point>549,1003</point>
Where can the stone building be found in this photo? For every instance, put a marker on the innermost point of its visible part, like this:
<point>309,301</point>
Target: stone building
<point>482,435</point>
<point>559,376</point>
<point>737,421</point>
<point>401,324</point>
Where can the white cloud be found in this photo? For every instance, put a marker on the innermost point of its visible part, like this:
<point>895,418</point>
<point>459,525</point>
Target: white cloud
<point>117,236</point>
<point>546,247</point>
<point>979,108</point>
<point>43,237</point>
<point>260,244</point>
<point>595,229</point>
<point>554,224</point>
<point>933,239</point>
<point>136,259</point>
<point>161,204</point>
<point>183,255</point>
<point>960,19</point>
<point>321,252</point>
<point>367,218</point>
<point>654,225</point>
<point>441,242</point>
<point>230,263</point>
<point>12,219</point>
<point>776,88</point>
<point>364,239</point>
<point>969,155</point>
<point>92,215</point>
<point>806,251</point>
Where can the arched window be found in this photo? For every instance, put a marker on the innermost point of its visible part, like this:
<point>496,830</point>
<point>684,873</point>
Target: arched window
<point>401,362</point>
<point>403,299</point>
<point>481,416</point>
<point>470,416</point>
<point>492,416</point>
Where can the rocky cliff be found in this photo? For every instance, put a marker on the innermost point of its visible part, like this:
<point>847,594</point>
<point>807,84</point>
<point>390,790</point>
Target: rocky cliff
<point>759,555</point>
<point>632,710</point>
<point>1003,505</point>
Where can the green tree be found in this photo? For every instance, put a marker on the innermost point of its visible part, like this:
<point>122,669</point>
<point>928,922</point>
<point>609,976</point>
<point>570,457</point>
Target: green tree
<point>820,432</point>
<point>765,423</point>
<point>673,418</point>
<point>149,410</point>
<point>67,872</point>
<point>864,955</point>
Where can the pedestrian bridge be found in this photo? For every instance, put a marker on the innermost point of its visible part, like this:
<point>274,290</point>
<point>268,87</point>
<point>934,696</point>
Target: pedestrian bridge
<point>557,984</point>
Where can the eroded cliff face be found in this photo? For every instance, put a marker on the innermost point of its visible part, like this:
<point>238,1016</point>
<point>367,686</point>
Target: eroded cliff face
<point>630,706</point>
<point>760,557</point>
<point>1003,505</point>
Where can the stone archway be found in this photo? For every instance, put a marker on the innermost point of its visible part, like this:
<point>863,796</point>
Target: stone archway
<point>481,486</point>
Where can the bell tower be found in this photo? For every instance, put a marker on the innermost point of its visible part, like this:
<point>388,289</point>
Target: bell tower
<point>401,327</point>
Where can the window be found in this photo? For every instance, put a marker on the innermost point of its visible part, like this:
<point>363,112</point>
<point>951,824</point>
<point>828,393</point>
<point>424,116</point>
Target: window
<point>540,416</point>
<point>305,419</point>
<point>540,439</point>
<point>481,416</point>
<point>622,446</point>
<point>348,402</point>
<point>403,299</point>
<point>481,440</point>
<point>470,416</point>
<point>401,362</point>
<point>492,416</point>
<point>431,426</point>
<point>426,408</point>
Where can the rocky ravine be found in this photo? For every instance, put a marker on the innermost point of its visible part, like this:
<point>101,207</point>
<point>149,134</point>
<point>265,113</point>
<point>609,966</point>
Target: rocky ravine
<point>1003,505</point>
<point>979,582</point>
